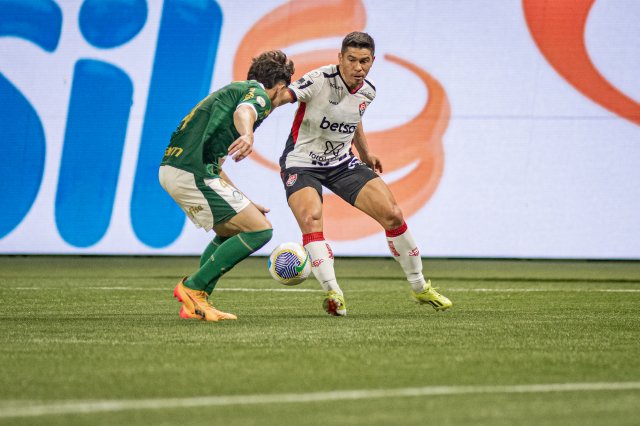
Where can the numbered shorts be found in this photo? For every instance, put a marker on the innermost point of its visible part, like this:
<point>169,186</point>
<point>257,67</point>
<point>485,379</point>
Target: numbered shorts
<point>207,202</point>
<point>346,180</point>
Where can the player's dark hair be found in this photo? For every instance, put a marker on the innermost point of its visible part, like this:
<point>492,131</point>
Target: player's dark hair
<point>270,68</point>
<point>360,41</point>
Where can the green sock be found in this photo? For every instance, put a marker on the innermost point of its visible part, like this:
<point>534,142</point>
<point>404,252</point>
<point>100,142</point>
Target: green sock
<point>211,248</point>
<point>226,256</point>
<point>209,251</point>
<point>206,255</point>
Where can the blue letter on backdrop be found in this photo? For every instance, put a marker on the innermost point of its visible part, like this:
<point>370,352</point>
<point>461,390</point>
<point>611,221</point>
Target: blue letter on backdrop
<point>111,23</point>
<point>99,108</point>
<point>98,116</point>
<point>23,142</point>
<point>182,72</point>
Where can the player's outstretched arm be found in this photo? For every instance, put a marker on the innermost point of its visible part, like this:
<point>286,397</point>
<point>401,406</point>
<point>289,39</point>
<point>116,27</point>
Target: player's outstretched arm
<point>243,118</point>
<point>367,157</point>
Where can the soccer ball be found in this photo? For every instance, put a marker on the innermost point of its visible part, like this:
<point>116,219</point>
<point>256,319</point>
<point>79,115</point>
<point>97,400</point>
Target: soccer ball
<point>289,264</point>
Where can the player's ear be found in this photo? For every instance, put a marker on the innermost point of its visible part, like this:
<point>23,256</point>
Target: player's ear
<point>282,85</point>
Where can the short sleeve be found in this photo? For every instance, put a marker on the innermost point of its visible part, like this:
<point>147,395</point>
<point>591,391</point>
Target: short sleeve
<point>305,88</point>
<point>258,100</point>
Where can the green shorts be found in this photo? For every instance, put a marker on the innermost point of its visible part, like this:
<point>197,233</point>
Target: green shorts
<point>207,202</point>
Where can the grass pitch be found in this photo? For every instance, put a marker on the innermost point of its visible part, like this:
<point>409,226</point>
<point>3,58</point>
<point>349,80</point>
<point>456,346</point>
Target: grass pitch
<point>97,340</point>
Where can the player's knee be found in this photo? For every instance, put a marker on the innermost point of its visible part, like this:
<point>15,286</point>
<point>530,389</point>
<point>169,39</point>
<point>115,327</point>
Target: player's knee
<point>392,217</point>
<point>257,239</point>
<point>266,224</point>
<point>267,234</point>
<point>310,219</point>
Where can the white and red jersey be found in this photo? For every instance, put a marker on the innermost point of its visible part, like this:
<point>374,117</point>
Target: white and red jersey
<point>326,120</point>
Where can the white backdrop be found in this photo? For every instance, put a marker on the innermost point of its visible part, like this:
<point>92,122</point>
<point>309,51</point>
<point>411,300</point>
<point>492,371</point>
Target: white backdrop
<point>529,163</point>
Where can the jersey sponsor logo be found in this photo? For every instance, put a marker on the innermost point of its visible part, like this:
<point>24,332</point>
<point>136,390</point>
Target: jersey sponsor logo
<point>332,102</point>
<point>338,127</point>
<point>193,210</point>
<point>173,151</point>
<point>335,86</point>
<point>331,154</point>
<point>321,160</point>
<point>330,148</point>
<point>260,100</point>
<point>362,107</point>
<point>292,179</point>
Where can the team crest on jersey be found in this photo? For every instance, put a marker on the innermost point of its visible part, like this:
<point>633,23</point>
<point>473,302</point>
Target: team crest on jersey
<point>292,179</point>
<point>260,100</point>
<point>237,195</point>
<point>363,106</point>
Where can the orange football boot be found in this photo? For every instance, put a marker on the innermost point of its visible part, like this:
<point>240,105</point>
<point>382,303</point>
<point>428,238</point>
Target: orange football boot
<point>195,304</point>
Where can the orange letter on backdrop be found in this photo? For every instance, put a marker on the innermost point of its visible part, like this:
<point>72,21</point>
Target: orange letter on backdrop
<point>417,143</point>
<point>558,29</point>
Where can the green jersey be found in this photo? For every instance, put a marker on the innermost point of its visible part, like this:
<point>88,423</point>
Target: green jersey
<point>202,139</point>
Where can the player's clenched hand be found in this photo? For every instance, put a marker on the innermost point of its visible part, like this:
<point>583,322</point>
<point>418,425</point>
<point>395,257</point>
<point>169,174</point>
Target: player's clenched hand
<point>374,162</point>
<point>241,147</point>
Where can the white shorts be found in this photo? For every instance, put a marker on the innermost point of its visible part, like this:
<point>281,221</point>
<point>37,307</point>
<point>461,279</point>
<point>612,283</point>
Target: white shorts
<point>207,202</point>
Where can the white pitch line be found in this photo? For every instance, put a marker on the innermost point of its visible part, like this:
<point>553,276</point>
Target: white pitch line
<point>300,290</point>
<point>308,290</point>
<point>87,407</point>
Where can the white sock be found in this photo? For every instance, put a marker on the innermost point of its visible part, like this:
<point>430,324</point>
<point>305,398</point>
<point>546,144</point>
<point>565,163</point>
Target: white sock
<point>406,253</point>
<point>321,261</point>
